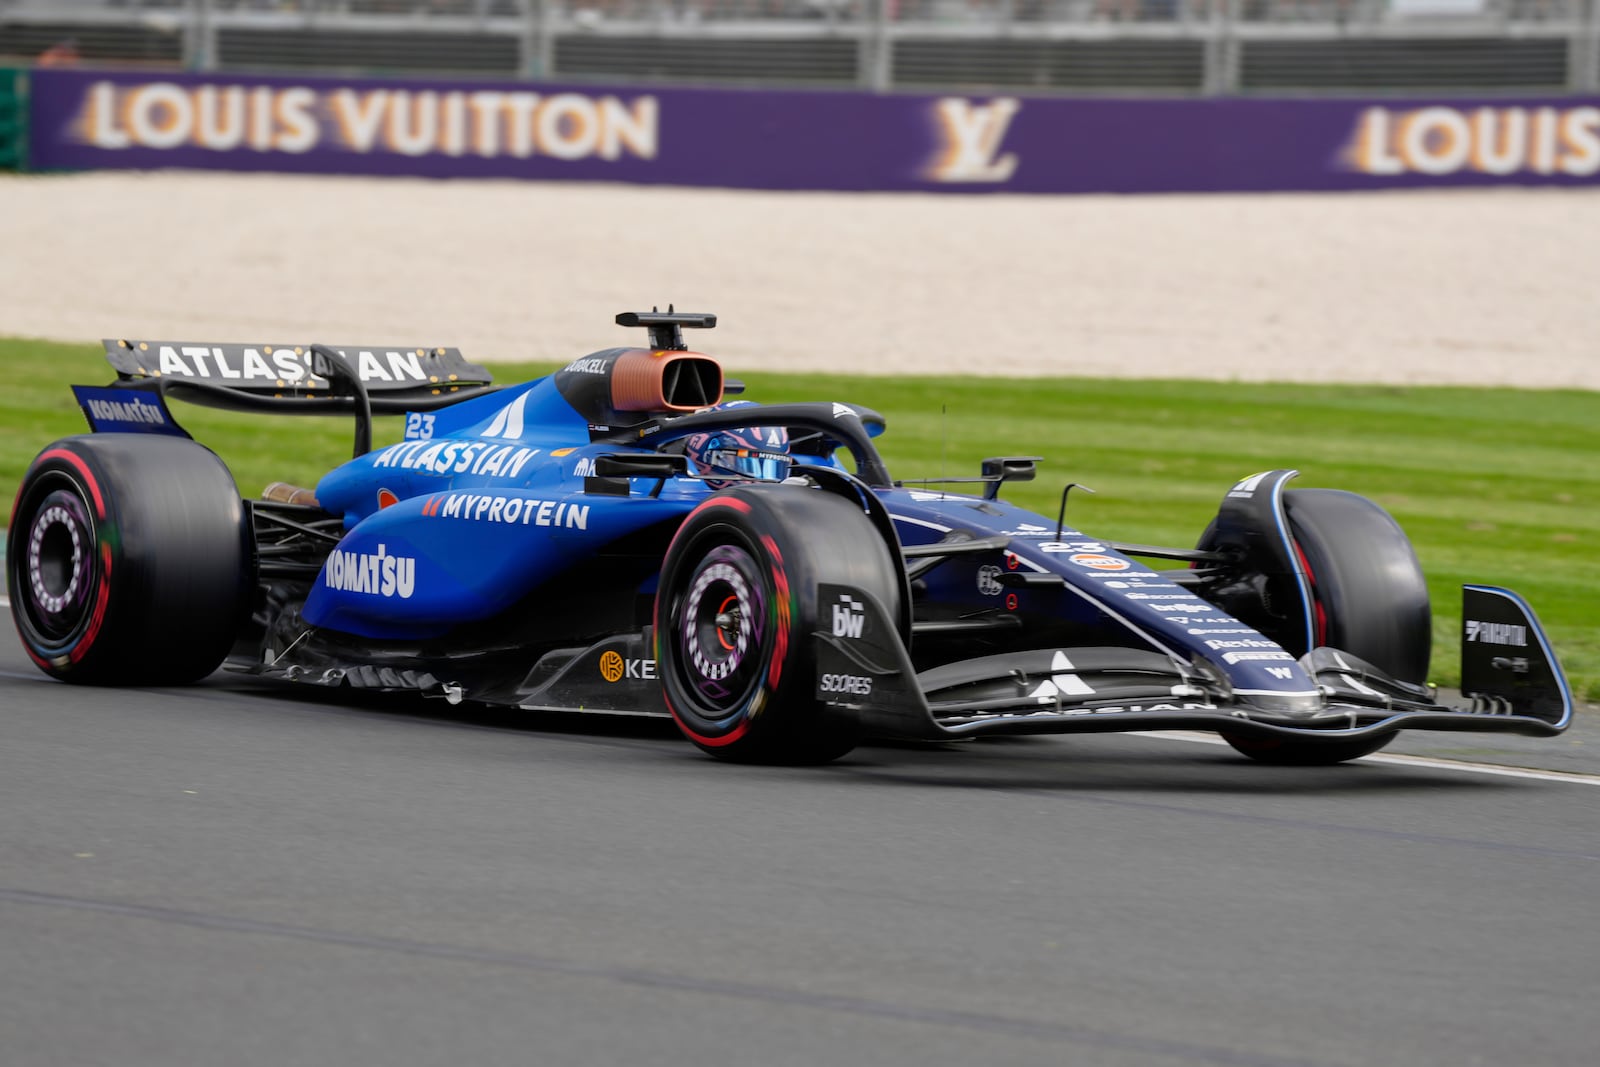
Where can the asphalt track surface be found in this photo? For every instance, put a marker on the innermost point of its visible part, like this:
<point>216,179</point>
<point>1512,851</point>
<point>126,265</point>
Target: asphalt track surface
<point>243,875</point>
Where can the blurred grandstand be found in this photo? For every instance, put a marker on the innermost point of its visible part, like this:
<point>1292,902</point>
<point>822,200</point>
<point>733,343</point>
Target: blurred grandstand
<point>1171,47</point>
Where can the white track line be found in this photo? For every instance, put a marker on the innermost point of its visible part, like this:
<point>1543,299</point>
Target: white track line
<point>1493,769</point>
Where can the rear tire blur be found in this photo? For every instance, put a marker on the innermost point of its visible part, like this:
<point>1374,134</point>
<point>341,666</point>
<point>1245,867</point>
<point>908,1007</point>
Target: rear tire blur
<point>128,561</point>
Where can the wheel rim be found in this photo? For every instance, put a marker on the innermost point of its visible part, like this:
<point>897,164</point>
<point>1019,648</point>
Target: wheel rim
<point>57,574</point>
<point>722,632</point>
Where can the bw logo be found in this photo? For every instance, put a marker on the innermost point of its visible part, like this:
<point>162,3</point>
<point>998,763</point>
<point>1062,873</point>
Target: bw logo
<point>848,617</point>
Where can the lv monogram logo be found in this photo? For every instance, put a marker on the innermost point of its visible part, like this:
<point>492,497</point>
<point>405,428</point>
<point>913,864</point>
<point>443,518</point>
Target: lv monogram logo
<point>971,136</point>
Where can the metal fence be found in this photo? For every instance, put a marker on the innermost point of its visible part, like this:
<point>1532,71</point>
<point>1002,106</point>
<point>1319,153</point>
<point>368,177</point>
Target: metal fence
<point>1177,47</point>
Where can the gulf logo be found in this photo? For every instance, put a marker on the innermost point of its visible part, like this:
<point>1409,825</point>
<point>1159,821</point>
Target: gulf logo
<point>1098,561</point>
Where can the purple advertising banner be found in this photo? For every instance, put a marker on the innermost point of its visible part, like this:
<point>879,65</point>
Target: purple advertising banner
<point>86,119</point>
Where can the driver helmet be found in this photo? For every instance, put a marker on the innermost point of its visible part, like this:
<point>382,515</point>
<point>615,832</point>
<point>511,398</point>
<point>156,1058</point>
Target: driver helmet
<point>759,452</point>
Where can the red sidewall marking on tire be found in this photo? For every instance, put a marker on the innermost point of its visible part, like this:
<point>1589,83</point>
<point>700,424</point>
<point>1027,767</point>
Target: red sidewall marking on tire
<point>714,742</point>
<point>83,468</point>
<point>102,597</point>
<point>780,607</point>
<point>744,724</point>
<point>717,501</point>
<point>1319,620</point>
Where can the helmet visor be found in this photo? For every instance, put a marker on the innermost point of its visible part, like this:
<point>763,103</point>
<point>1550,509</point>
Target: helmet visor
<point>749,462</point>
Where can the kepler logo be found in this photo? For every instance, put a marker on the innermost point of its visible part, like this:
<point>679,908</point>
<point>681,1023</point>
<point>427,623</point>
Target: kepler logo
<point>849,617</point>
<point>1497,633</point>
<point>614,667</point>
<point>373,573</point>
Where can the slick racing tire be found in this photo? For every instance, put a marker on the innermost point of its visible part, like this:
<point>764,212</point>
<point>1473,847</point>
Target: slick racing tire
<point>128,560</point>
<point>736,610</point>
<point>1369,598</point>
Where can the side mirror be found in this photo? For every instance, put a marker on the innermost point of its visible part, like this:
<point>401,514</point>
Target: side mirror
<point>1000,469</point>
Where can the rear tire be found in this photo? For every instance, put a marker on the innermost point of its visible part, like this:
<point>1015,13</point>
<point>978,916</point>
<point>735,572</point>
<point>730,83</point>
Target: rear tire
<point>128,560</point>
<point>735,612</point>
<point>1369,598</point>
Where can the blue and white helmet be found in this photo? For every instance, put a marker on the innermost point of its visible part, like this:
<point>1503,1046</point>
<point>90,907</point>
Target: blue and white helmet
<point>758,452</point>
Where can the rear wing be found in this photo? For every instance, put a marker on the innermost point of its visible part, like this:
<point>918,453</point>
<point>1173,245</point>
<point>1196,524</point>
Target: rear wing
<point>297,379</point>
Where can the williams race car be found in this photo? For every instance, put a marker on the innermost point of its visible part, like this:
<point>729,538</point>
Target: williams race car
<point>620,537</point>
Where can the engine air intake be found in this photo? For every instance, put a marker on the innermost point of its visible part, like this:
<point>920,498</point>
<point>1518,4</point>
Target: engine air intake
<point>644,380</point>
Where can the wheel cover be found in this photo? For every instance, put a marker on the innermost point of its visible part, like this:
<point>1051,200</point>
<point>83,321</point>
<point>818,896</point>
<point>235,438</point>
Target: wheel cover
<point>57,574</point>
<point>722,633</point>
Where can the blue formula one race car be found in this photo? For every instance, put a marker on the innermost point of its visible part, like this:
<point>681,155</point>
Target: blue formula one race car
<point>618,537</point>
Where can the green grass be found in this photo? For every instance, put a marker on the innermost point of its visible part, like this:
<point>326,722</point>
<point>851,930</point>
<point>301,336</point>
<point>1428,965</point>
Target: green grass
<point>1493,485</point>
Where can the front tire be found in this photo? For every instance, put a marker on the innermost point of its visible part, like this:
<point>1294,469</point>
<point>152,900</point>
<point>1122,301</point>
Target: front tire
<point>1369,598</point>
<point>128,560</point>
<point>735,612</point>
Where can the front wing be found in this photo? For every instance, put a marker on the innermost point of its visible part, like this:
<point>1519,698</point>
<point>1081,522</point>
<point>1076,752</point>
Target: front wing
<point>1511,683</point>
